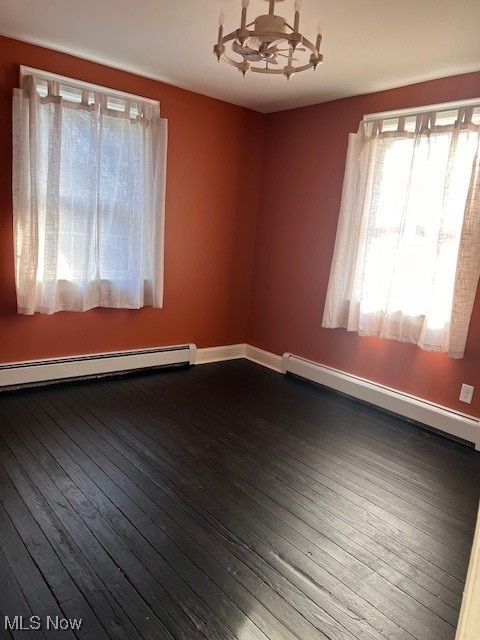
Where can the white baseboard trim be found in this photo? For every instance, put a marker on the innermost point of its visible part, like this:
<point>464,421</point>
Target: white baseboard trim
<point>433,415</point>
<point>218,354</point>
<point>18,374</point>
<point>469,622</point>
<point>265,358</point>
<point>236,351</point>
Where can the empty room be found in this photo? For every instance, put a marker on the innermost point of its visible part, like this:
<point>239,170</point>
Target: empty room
<point>239,320</point>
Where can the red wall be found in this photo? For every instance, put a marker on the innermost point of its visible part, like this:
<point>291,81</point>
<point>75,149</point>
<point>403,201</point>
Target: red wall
<point>303,166</point>
<point>214,161</point>
<point>213,190</point>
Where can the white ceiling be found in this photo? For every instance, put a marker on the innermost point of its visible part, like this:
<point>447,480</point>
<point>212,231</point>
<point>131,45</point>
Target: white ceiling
<point>368,45</point>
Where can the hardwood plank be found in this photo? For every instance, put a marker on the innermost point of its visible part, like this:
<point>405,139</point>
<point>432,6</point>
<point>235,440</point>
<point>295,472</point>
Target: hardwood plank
<point>146,483</point>
<point>454,541</point>
<point>347,560</point>
<point>147,623</point>
<point>94,478</point>
<point>359,507</point>
<point>85,575</point>
<point>225,502</point>
<point>155,594</point>
<point>12,600</point>
<point>163,439</point>
<point>319,452</point>
<point>264,594</point>
<point>30,581</point>
<point>60,583</point>
<point>342,525</point>
<point>375,426</point>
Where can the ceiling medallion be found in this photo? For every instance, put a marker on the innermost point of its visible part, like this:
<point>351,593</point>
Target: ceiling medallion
<point>270,41</point>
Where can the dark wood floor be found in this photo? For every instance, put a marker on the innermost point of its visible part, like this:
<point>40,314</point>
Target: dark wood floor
<point>227,501</point>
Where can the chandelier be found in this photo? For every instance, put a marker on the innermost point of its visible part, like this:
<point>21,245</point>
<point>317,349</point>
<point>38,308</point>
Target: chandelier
<point>271,42</point>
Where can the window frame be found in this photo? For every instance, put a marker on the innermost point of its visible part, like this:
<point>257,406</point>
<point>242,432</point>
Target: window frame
<point>123,104</point>
<point>344,296</point>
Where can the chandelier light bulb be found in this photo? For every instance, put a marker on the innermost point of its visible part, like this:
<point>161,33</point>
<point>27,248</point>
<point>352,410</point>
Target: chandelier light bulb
<point>297,6</point>
<point>244,15</point>
<point>221,18</point>
<point>319,35</point>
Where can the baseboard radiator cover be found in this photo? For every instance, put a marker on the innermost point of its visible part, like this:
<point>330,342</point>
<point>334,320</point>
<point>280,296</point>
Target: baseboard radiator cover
<point>432,415</point>
<point>33,372</point>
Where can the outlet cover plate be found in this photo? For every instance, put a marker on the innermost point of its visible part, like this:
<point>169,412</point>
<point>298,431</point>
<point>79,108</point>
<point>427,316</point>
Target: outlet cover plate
<point>466,393</point>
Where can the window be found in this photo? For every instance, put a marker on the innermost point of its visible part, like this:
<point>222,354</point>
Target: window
<point>407,254</point>
<point>88,195</point>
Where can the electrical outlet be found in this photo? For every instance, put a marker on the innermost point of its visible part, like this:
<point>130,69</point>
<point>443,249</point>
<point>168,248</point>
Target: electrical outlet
<point>466,394</point>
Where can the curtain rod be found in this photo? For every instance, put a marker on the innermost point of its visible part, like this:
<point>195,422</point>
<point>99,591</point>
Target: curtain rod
<point>443,106</point>
<point>113,93</point>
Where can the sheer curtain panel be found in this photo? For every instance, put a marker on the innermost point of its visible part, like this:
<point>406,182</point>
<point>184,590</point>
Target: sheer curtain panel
<point>406,262</point>
<point>88,198</point>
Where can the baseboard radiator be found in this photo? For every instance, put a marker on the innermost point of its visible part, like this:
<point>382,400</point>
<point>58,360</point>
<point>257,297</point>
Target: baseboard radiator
<point>34,372</point>
<point>451,422</point>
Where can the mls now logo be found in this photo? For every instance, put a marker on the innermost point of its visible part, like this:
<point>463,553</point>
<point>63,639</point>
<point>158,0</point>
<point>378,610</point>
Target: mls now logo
<point>33,623</point>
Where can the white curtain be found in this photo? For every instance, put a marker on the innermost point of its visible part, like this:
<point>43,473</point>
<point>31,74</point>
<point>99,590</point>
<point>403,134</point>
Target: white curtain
<point>406,262</point>
<point>88,197</point>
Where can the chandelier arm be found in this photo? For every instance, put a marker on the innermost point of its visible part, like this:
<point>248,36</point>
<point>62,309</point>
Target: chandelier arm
<point>311,46</point>
<point>229,36</point>
<point>233,62</point>
<point>274,35</point>
<point>281,71</point>
<point>278,71</point>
